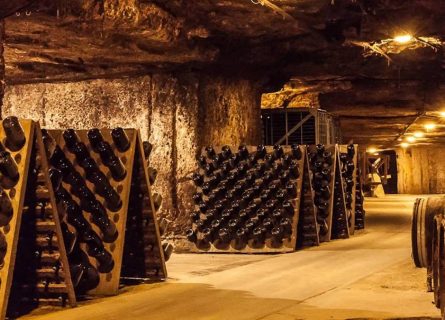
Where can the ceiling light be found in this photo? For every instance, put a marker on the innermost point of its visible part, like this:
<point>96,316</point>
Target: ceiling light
<point>430,126</point>
<point>404,144</point>
<point>442,114</point>
<point>403,39</point>
<point>371,150</point>
<point>411,139</point>
<point>419,134</point>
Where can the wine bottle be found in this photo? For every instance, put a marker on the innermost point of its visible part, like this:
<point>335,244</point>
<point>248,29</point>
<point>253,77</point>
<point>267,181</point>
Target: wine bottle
<point>296,151</point>
<point>277,233</point>
<point>191,235</point>
<point>6,210</point>
<point>210,152</point>
<point>70,137</point>
<point>3,248</point>
<point>55,175</point>
<point>278,151</point>
<point>320,149</point>
<point>101,219</point>
<point>15,136</point>
<point>69,237</point>
<point>291,190</point>
<point>288,208</point>
<point>117,169</point>
<point>105,150</point>
<point>105,259</point>
<point>243,152</point>
<point>80,150</point>
<point>259,235</point>
<point>168,250</point>
<point>157,201</point>
<point>351,151</point>
<point>95,138</point>
<point>286,225</point>
<point>147,147</point>
<point>226,152</point>
<point>9,168</point>
<point>120,139</point>
<point>197,179</point>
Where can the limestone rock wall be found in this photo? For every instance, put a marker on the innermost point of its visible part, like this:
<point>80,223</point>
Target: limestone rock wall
<point>421,170</point>
<point>178,114</point>
<point>2,61</point>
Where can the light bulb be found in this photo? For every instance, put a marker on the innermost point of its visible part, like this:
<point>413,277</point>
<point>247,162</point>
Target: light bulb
<point>419,134</point>
<point>430,126</point>
<point>403,38</point>
<point>404,144</point>
<point>371,150</point>
<point>410,139</point>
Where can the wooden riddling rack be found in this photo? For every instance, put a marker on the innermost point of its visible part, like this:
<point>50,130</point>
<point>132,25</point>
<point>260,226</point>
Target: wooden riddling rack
<point>34,270</point>
<point>322,166</point>
<point>348,155</point>
<point>248,199</point>
<point>101,251</point>
<point>359,210</point>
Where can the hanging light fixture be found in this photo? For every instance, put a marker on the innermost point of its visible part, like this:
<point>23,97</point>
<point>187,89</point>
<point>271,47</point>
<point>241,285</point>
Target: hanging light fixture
<point>404,145</point>
<point>418,134</point>
<point>403,38</point>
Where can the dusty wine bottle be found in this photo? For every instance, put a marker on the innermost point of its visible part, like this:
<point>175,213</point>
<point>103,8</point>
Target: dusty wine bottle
<point>6,210</point>
<point>243,152</point>
<point>15,136</point>
<point>8,167</point>
<point>120,139</point>
<point>55,175</point>
<point>296,151</point>
<point>95,137</point>
<point>147,146</point>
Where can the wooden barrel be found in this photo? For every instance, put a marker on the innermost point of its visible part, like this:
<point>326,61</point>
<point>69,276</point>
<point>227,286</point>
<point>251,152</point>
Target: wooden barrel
<point>436,253</point>
<point>422,228</point>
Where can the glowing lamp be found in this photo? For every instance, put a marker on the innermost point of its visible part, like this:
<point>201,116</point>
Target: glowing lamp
<point>418,134</point>
<point>403,39</point>
<point>404,144</point>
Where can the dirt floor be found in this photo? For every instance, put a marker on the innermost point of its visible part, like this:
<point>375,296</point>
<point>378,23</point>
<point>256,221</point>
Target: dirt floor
<point>369,276</point>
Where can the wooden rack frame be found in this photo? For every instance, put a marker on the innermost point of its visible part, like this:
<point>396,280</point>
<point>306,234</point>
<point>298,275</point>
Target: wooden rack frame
<point>288,245</point>
<point>333,150</point>
<point>133,160</point>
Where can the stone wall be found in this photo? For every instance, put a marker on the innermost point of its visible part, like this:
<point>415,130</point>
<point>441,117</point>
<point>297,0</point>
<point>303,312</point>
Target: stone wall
<point>421,170</point>
<point>2,61</point>
<point>178,114</point>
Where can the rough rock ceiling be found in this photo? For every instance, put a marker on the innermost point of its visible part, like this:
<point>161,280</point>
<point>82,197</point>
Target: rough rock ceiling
<point>80,39</point>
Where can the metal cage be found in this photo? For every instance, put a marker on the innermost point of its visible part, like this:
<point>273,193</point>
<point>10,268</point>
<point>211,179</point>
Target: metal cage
<point>299,125</point>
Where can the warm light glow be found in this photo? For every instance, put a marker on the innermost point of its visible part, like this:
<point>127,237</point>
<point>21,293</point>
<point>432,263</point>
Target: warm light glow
<point>442,114</point>
<point>371,150</point>
<point>404,144</point>
<point>430,126</point>
<point>399,139</point>
<point>402,39</point>
<point>419,134</point>
<point>410,139</point>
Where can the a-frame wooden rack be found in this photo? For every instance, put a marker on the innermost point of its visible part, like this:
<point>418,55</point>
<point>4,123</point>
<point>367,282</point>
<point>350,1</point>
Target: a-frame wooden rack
<point>254,171</point>
<point>322,165</point>
<point>136,254</point>
<point>41,275</point>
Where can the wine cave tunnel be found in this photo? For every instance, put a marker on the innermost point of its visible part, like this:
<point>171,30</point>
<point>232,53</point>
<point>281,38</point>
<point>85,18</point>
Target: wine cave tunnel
<point>215,159</point>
